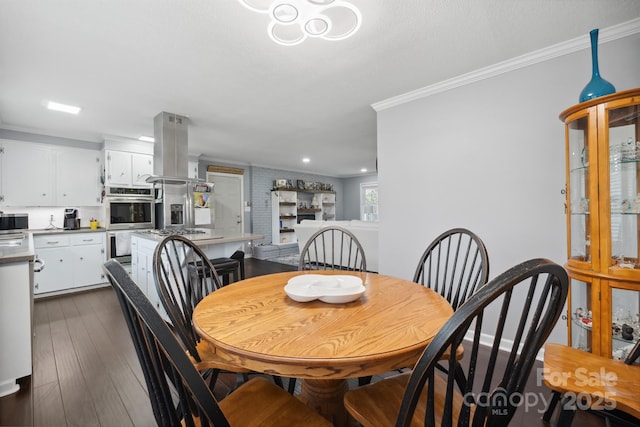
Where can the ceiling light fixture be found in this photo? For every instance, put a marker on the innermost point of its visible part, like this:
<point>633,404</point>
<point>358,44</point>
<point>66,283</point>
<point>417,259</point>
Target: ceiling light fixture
<point>306,160</point>
<point>147,139</point>
<point>56,106</point>
<point>292,21</point>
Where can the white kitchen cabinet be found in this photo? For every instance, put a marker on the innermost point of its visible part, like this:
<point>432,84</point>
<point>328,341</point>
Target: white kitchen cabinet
<point>124,169</point>
<point>35,174</point>
<point>72,260</point>
<point>141,164</point>
<point>88,251</point>
<point>26,172</point>
<point>142,270</point>
<point>192,169</point>
<point>57,273</point>
<point>118,168</point>
<point>15,325</point>
<point>78,174</point>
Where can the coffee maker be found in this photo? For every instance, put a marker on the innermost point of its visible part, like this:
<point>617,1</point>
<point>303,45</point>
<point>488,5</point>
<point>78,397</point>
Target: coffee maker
<point>71,220</point>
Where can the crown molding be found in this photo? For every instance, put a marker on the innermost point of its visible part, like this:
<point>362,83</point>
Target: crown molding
<point>565,48</point>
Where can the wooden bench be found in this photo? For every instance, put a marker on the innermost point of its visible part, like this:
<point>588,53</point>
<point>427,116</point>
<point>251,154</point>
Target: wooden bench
<point>582,380</point>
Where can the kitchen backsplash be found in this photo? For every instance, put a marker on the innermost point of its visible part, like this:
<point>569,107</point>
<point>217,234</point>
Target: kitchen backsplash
<point>40,217</point>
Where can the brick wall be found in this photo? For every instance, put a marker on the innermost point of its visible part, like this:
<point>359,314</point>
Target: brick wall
<point>261,185</point>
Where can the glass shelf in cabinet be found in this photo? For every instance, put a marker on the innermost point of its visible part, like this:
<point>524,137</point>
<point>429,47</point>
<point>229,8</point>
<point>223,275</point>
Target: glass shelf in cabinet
<point>580,169</point>
<point>584,322</point>
<point>625,212</point>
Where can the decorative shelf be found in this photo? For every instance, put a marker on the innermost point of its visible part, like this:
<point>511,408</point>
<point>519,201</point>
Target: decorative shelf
<point>303,191</point>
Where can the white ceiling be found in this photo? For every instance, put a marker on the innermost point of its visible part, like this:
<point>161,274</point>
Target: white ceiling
<point>251,101</point>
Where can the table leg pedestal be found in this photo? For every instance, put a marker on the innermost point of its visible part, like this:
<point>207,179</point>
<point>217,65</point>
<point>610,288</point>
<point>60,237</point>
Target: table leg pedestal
<point>326,397</point>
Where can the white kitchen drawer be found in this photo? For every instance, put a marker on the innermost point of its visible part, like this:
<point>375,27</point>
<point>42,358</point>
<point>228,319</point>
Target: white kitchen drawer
<point>87,239</point>
<point>50,241</point>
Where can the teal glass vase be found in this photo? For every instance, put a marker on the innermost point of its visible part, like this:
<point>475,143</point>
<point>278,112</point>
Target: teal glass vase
<point>597,86</point>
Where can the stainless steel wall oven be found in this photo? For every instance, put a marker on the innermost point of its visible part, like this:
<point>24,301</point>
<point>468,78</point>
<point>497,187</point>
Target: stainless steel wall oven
<point>127,210</point>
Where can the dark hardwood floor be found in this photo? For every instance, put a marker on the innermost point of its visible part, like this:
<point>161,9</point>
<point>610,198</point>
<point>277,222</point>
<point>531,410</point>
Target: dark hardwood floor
<point>85,370</point>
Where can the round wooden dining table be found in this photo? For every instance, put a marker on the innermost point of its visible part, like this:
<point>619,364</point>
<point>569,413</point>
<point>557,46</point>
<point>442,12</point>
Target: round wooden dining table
<point>254,324</point>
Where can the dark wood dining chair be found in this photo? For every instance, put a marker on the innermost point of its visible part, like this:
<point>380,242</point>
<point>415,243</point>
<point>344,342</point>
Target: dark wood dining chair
<point>454,264</point>
<point>333,248</point>
<point>177,392</point>
<point>183,276</point>
<point>615,397</point>
<point>528,299</point>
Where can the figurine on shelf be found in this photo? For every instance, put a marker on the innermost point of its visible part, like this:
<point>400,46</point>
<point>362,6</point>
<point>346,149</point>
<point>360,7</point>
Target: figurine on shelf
<point>579,312</point>
<point>627,332</point>
<point>615,329</point>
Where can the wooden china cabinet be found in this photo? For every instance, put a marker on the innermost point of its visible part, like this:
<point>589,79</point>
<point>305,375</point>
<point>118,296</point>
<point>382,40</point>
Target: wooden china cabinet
<point>603,222</point>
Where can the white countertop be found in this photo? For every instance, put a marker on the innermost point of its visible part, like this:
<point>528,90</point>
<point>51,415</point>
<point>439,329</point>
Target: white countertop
<point>22,252</point>
<point>209,237</point>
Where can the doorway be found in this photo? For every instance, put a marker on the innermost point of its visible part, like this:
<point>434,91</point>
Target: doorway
<point>228,195</point>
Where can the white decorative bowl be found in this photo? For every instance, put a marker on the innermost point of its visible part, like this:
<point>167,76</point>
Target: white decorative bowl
<point>332,289</point>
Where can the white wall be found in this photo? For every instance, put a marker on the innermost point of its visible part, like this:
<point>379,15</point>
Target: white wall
<point>488,156</point>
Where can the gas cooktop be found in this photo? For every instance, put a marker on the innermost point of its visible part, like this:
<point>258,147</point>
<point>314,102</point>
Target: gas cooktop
<point>174,231</point>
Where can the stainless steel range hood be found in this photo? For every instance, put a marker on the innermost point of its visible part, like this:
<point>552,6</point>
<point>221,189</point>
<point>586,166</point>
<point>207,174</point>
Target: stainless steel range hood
<point>170,151</point>
<point>173,206</point>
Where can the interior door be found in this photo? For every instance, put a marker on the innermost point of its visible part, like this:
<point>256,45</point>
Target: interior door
<point>228,196</point>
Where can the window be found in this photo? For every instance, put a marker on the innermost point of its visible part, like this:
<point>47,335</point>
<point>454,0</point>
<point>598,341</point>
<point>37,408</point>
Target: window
<point>369,201</point>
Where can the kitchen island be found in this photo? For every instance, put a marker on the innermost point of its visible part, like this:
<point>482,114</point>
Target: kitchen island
<point>214,243</point>
<point>17,256</point>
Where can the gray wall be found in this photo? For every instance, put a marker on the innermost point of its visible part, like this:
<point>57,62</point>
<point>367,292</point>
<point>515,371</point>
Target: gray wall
<point>488,156</point>
<point>351,188</point>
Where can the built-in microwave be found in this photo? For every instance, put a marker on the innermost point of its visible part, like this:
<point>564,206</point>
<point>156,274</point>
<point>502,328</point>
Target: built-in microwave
<point>129,208</point>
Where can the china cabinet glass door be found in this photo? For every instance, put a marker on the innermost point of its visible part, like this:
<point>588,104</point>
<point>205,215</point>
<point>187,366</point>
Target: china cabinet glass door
<point>624,177</point>
<point>581,325</point>
<point>625,321</point>
<point>580,218</point>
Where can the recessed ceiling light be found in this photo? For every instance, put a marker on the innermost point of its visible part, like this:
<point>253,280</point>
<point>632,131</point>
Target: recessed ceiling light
<point>147,139</point>
<point>306,160</point>
<point>56,106</point>
<point>363,170</point>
